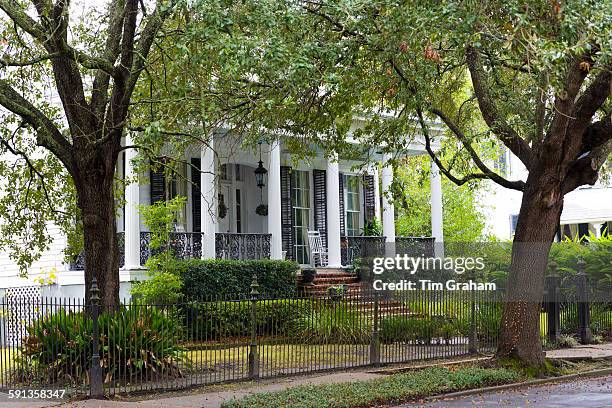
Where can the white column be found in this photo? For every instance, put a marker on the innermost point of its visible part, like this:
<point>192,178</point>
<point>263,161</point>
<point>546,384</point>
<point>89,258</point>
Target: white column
<point>132,217</point>
<point>208,200</point>
<point>333,212</point>
<point>274,202</point>
<point>436,204</point>
<point>597,227</point>
<point>388,208</point>
<point>436,209</point>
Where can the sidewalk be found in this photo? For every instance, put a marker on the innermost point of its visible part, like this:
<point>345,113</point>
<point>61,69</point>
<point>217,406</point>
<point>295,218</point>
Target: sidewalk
<point>214,399</point>
<point>587,352</point>
<point>213,396</point>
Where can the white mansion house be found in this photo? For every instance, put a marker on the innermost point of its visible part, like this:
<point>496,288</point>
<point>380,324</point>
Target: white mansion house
<point>231,214</point>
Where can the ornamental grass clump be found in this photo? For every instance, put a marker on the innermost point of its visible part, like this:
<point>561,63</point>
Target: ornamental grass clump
<point>136,343</point>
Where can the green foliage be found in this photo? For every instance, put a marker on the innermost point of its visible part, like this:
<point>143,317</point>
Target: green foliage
<point>135,342</point>
<point>565,341</point>
<point>229,319</point>
<point>160,218</point>
<point>463,218</point>
<point>161,288</point>
<point>164,285</point>
<point>372,228</point>
<point>216,278</point>
<point>423,330</point>
<point>337,323</point>
<point>389,390</point>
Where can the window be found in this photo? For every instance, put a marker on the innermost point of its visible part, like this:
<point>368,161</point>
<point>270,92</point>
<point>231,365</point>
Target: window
<point>353,205</point>
<point>238,172</point>
<point>300,201</point>
<point>513,221</point>
<point>238,212</point>
<point>224,173</point>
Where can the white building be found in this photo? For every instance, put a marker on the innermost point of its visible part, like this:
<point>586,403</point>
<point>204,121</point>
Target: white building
<point>335,196</point>
<point>587,209</point>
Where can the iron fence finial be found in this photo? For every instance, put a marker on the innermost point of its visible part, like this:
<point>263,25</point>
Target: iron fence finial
<point>94,291</point>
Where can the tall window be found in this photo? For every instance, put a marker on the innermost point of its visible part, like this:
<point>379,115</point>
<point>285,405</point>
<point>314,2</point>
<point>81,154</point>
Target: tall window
<point>353,205</point>
<point>300,200</point>
<point>238,212</point>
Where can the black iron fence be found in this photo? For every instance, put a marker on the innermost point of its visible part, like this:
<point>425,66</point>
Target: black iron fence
<point>63,344</point>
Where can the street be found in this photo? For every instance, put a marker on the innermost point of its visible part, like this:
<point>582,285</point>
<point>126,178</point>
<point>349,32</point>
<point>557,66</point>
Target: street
<point>588,393</point>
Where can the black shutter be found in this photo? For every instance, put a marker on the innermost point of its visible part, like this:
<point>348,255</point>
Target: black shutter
<point>583,230</point>
<point>158,185</point>
<point>341,188</point>
<point>286,212</point>
<point>320,204</point>
<point>196,196</point>
<point>369,201</point>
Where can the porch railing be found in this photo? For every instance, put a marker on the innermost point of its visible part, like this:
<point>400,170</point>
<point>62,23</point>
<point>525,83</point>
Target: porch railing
<point>185,245</point>
<point>415,246</point>
<point>78,264</point>
<point>242,246</point>
<point>353,247</point>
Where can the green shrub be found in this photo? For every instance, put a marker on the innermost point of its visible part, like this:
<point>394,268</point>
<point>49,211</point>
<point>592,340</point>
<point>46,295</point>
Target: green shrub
<point>334,324</point>
<point>488,321</point>
<point>566,341</point>
<point>403,329</point>
<point>226,319</point>
<point>162,288</point>
<point>215,278</point>
<point>135,343</point>
<point>386,391</point>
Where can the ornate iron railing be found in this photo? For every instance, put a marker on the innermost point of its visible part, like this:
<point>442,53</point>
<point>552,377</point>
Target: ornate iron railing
<point>242,246</point>
<point>184,245</point>
<point>78,264</point>
<point>353,247</point>
<point>415,246</point>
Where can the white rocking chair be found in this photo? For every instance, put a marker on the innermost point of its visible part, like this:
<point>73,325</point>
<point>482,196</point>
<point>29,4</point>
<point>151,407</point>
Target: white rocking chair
<point>318,253</point>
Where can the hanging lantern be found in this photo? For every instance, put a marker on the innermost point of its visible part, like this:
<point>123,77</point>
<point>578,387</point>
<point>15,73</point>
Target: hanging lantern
<point>260,175</point>
<point>260,171</point>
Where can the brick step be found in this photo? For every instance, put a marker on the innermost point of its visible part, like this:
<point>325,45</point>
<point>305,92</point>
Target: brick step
<point>332,276</point>
<point>331,270</point>
<point>318,285</point>
<point>336,281</point>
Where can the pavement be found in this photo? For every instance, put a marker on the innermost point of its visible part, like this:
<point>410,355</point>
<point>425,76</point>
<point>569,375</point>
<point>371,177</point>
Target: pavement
<point>587,393</point>
<point>586,352</point>
<point>213,396</point>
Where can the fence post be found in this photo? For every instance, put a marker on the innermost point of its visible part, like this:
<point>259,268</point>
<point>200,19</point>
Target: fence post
<point>552,303</point>
<point>375,341</point>
<point>584,315</point>
<point>472,338</point>
<point>96,386</point>
<point>253,353</point>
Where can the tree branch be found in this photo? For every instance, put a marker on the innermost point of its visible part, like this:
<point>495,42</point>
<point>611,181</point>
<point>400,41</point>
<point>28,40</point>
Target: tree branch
<point>47,133</point>
<point>515,185</point>
<point>458,181</point>
<point>490,113</point>
<point>25,22</point>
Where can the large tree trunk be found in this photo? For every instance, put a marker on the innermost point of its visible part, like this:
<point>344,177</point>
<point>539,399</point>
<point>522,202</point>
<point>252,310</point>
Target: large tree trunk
<point>537,224</point>
<point>96,199</point>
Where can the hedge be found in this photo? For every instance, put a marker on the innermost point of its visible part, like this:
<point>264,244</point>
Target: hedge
<point>214,321</point>
<point>215,279</point>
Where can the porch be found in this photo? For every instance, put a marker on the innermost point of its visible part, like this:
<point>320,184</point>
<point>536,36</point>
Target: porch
<point>234,210</point>
<point>188,245</point>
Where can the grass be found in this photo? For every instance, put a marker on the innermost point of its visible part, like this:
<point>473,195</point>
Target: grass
<point>281,355</point>
<point>392,389</point>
